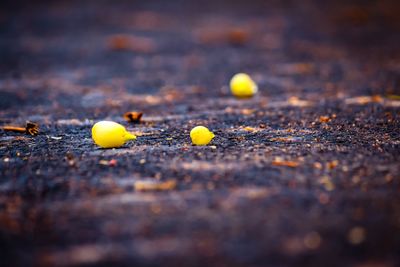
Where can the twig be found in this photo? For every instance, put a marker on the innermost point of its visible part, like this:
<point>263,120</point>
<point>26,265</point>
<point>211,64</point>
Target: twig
<point>30,128</point>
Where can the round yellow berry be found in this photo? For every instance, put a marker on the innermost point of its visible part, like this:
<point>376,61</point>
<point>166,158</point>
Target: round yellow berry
<point>201,136</point>
<point>243,86</point>
<point>108,134</point>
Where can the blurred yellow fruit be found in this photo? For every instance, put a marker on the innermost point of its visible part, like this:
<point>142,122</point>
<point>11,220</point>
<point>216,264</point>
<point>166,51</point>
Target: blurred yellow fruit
<point>243,86</point>
<point>108,134</point>
<point>201,136</point>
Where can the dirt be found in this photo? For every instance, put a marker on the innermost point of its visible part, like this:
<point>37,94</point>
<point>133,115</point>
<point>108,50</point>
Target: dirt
<point>306,173</point>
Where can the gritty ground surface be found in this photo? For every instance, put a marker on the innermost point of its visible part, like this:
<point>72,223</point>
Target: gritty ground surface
<point>304,174</point>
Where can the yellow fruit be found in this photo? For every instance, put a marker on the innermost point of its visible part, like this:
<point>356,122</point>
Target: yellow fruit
<point>108,134</point>
<point>201,136</point>
<point>243,86</point>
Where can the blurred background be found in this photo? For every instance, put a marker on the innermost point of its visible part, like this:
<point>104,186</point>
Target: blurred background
<point>202,43</point>
<point>303,174</point>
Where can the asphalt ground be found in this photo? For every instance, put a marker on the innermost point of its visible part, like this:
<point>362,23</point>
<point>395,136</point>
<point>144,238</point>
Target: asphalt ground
<point>305,173</point>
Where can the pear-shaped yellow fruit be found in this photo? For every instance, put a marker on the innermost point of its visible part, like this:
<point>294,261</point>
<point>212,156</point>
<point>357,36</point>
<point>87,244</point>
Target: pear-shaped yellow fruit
<point>242,86</point>
<point>201,136</point>
<point>108,134</point>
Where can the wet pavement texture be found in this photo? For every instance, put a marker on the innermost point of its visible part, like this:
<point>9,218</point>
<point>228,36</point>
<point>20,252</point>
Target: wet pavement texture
<point>306,173</point>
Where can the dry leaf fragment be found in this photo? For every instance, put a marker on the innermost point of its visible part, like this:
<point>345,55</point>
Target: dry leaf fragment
<point>393,97</point>
<point>111,163</point>
<point>312,240</point>
<point>317,165</point>
<point>150,185</point>
<point>249,129</point>
<point>377,99</point>
<point>363,100</point>
<point>131,43</point>
<point>295,68</point>
<point>332,164</point>
<point>247,111</point>
<point>285,139</point>
<point>356,235</point>
<point>280,162</point>
<point>327,183</point>
<point>133,116</point>
<point>295,101</point>
<point>324,119</point>
<point>215,36</point>
<point>238,36</point>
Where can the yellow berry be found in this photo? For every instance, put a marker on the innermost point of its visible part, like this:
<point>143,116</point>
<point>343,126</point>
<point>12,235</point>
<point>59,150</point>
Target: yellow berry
<point>108,134</point>
<point>243,86</point>
<point>201,136</point>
